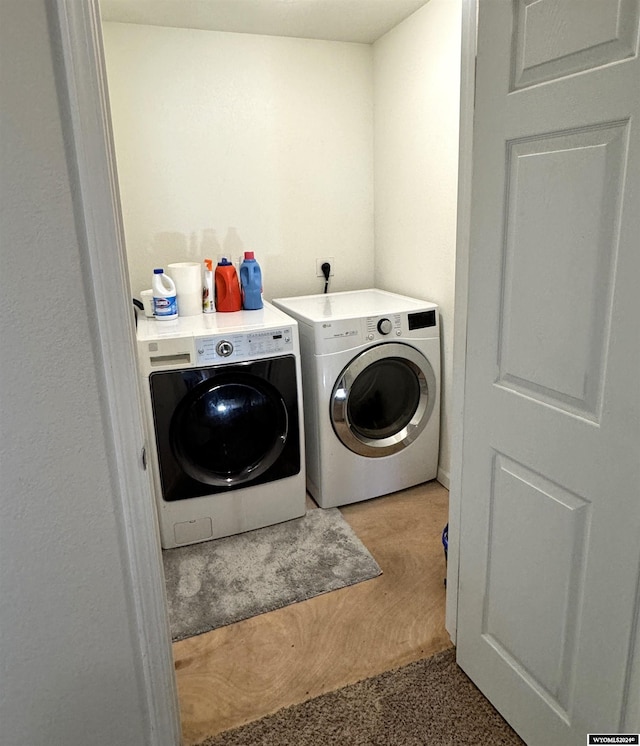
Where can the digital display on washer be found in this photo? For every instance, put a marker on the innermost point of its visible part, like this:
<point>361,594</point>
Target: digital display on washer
<point>422,320</point>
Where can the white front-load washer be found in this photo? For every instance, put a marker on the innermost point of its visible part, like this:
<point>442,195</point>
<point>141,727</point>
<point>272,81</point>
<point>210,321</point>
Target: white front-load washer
<point>371,383</point>
<point>223,403</point>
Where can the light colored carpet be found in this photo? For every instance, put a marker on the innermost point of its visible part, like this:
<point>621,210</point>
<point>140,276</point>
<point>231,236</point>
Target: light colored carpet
<point>219,582</point>
<point>427,703</point>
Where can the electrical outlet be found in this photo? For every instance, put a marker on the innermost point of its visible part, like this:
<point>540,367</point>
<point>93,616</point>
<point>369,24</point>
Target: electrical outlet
<point>320,262</point>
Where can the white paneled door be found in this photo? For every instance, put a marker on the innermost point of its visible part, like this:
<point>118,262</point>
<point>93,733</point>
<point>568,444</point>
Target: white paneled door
<point>550,519</point>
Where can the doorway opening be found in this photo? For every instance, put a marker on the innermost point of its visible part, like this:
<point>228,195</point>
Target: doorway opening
<point>440,521</point>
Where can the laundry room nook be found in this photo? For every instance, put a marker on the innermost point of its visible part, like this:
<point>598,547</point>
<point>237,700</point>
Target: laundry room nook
<point>314,136</point>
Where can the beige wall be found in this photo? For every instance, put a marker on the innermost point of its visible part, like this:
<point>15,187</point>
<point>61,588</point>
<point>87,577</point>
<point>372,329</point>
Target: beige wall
<point>417,94</point>
<point>228,142</point>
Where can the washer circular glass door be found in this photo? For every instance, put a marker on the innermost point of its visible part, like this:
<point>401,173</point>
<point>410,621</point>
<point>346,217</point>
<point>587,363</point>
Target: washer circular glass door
<point>383,399</point>
<point>229,429</point>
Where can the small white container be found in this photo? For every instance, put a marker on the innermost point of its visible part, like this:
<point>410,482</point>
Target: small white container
<point>187,277</point>
<point>165,304</point>
<point>146,296</point>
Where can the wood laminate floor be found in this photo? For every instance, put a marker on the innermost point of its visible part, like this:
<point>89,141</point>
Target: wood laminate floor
<point>246,670</point>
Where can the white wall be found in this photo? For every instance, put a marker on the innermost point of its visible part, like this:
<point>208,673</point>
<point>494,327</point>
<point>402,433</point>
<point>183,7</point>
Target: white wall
<point>69,667</point>
<point>417,92</point>
<point>228,142</point>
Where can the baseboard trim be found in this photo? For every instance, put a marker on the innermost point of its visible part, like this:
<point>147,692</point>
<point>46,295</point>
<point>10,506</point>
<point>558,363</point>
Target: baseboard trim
<point>443,477</point>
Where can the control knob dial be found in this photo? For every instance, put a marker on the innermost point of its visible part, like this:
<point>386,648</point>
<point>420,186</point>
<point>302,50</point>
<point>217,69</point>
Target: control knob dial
<point>224,348</point>
<point>384,326</point>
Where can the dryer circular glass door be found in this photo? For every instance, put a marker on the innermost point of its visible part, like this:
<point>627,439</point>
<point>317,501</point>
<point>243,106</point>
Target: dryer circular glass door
<point>229,429</point>
<point>383,399</point>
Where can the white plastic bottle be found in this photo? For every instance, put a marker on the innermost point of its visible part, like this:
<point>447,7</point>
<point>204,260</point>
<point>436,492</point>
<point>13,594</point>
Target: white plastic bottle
<point>165,305</point>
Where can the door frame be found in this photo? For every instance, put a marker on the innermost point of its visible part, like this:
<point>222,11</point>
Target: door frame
<point>79,26</point>
<point>84,101</point>
<point>463,238</point>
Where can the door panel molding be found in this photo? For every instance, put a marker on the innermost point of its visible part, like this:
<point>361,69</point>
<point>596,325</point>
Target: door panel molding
<point>545,578</point>
<point>555,275</point>
<point>587,41</point>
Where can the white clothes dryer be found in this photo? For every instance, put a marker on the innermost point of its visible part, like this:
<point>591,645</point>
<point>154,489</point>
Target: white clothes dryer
<point>371,383</point>
<point>223,403</point>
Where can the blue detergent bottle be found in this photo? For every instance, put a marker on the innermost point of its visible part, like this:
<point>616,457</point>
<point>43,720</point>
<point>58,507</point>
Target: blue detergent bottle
<point>251,282</point>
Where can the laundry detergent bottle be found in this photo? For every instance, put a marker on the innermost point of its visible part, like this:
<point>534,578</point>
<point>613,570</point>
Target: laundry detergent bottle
<point>165,304</point>
<point>228,296</point>
<point>251,282</point>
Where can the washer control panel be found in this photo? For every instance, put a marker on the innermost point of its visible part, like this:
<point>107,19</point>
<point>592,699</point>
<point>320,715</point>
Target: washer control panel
<point>243,345</point>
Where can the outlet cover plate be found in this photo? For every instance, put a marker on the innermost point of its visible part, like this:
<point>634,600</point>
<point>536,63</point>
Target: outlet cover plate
<point>320,262</point>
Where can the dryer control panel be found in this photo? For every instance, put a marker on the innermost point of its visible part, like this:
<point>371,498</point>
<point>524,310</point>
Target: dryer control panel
<point>381,326</point>
<point>243,346</point>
